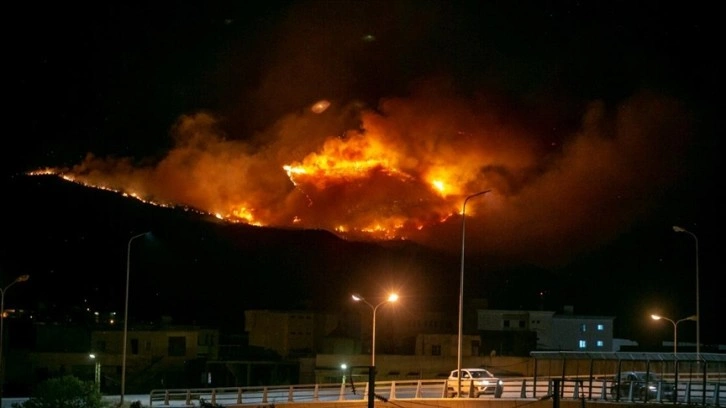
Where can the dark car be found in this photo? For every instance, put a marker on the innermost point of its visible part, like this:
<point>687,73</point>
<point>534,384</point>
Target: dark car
<point>641,385</point>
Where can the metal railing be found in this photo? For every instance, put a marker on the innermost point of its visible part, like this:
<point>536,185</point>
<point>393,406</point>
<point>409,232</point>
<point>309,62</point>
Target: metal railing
<point>711,393</point>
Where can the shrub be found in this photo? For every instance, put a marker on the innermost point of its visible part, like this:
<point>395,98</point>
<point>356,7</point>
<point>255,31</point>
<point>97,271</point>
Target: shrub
<point>205,404</point>
<point>64,392</point>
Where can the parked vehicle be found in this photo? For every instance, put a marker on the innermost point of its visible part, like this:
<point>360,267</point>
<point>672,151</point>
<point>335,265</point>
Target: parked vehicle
<point>639,385</point>
<point>475,382</point>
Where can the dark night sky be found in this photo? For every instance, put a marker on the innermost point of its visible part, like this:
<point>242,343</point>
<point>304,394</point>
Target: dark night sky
<point>593,122</point>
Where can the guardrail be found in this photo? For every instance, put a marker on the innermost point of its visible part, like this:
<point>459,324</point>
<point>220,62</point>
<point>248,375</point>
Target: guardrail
<point>698,392</point>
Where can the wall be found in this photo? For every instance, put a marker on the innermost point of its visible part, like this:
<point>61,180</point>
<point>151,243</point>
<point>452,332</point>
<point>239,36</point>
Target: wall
<point>398,367</point>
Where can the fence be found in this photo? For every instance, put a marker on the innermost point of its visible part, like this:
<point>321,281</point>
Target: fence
<point>695,391</point>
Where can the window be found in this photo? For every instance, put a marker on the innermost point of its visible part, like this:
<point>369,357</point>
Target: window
<point>436,350</point>
<point>600,343</point>
<point>600,327</point>
<point>582,344</point>
<point>134,346</point>
<point>506,323</point>
<point>522,324</point>
<point>583,328</point>
<point>177,346</point>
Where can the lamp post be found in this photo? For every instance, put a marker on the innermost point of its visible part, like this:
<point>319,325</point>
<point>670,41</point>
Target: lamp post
<point>126,315</point>
<point>391,298</point>
<point>96,371</point>
<point>675,328</point>
<point>461,289</point>
<point>698,302</point>
<point>21,278</point>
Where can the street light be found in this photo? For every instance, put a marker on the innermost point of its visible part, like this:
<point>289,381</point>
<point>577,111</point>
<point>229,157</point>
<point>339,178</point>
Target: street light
<point>126,315</point>
<point>675,328</point>
<point>96,371</point>
<point>391,298</point>
<point>461,289</point>
<point>698,303</point>
<point>21,278</point>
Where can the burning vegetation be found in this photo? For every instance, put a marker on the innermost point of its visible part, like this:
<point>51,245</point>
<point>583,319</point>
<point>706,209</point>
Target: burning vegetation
<point>403,170</point>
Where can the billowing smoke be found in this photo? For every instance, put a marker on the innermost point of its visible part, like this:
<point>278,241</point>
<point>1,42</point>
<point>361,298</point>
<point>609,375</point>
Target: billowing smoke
<point>360,129</point>
<point>404,172</point>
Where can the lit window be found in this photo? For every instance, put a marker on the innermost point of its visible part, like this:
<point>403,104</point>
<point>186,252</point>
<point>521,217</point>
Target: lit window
<point>600,343</point>
<point>583,344</point>
<point>600,327</point>
<point>583,328</point>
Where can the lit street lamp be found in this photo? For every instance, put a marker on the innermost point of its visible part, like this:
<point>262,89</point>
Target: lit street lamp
<point>675,328</point>
<point>461,288</point>
<point>21,278</point>
<point>698,310</point>
<point>96,371</point>
<point>391,298</point>
<point>126,316</point>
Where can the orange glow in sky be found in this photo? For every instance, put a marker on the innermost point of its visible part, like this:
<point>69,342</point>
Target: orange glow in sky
<point>404,172</point>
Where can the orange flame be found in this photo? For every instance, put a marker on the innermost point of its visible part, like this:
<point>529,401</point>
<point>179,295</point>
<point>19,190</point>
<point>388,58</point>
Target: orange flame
<point>403,171</point>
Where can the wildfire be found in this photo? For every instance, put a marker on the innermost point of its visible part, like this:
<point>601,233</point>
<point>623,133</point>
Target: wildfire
<point>343,161</point>
<point>79,180</point>
<point>370,182</point>
<point>403,170</point>
<point>341,175</point>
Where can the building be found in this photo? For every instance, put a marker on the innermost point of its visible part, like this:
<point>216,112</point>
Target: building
<point>289,333</point>
<point>158,357</point>
<point>280,347</point>
<point>582,333</point>
<point>400,333</point>
<point>510,332</point>
<point>447,345</point>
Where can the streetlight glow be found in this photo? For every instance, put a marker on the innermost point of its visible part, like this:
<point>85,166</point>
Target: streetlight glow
<point>126,315</point>
<point>96,370</point>
<point>698,302</point>
<point>461,288</point>
<point>675,327</point>
<point>393,297</point>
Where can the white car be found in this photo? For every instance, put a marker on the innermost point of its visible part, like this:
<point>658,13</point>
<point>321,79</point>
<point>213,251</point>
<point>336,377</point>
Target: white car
<point>475,382</point>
